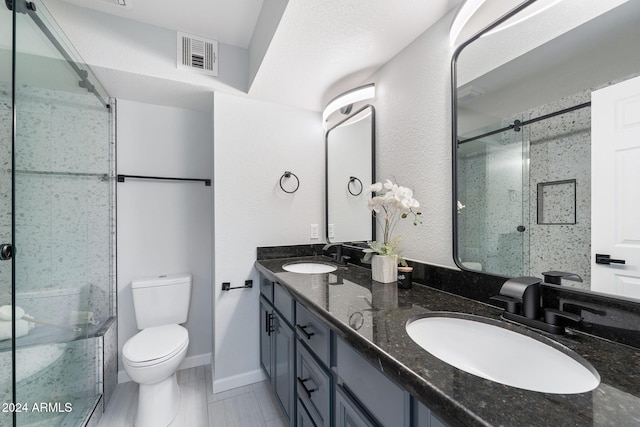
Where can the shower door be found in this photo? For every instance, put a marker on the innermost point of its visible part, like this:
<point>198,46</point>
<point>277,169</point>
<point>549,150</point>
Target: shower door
<point>492,184</point>
<point>61,225</point>
<point>6,265</point>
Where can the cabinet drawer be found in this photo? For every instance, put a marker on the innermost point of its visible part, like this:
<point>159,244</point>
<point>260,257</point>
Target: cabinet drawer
<point>266,288</point>
<point>348,413</point>
<point>283,302</point>
<point>382,397</point>
<point>304,419</point>
<point>313,332</point>
<point>314,385</point>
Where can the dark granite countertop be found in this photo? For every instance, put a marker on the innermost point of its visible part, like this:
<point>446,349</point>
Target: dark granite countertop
<point>372,316</point>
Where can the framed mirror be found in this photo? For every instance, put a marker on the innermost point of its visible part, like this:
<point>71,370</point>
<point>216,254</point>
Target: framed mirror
<point>350,171</point>
<point>546,107</point>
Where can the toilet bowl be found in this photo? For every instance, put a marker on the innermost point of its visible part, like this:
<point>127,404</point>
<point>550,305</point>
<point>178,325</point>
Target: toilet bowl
<point>151,358</point>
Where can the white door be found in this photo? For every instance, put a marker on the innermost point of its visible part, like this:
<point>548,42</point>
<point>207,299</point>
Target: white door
<point>615,188</point>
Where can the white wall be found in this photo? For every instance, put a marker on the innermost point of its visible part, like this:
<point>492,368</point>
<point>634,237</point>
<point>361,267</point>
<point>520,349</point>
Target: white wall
<point>165,227</point>
<point>254,144</point>
<point>413,139</point>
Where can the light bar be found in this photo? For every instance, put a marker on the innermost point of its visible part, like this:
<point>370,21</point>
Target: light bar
<point>350,97</point>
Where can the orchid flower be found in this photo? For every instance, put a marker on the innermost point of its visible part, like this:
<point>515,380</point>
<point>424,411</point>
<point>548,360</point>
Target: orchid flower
<point>395,203</point>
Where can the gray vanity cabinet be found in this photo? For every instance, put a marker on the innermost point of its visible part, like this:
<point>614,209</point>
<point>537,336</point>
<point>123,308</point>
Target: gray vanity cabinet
<point>266,329</point>
<point>283,367</point>
<point>321,380</point>
<point>303,417</point>
<point>423,417</point>
<point>388,403</point>
<point>314,383</point>
<point>348,412</point>
<point>277,343</point>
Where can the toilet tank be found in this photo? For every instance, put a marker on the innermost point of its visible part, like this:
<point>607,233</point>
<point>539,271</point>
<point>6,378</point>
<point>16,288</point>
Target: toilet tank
<point>161,300</point>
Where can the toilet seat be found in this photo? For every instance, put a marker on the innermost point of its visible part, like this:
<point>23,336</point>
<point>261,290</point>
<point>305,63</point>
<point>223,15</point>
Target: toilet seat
<point>155,345</point>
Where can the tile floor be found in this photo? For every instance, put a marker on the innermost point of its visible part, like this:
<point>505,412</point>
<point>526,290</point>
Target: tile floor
<point>249,406</point>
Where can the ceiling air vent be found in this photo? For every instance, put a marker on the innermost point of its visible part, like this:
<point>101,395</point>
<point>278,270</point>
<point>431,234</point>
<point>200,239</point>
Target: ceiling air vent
<point>198,53</point>
<point>467,93</point>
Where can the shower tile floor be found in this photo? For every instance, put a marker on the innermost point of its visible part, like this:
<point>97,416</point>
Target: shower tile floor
<point>249,406</point>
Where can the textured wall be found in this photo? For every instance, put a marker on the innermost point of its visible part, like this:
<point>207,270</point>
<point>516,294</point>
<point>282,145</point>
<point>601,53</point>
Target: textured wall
<point>254,144</point>
<point>413,125</point>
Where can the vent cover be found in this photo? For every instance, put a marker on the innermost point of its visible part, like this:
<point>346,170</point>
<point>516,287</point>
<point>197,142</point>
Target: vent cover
<point>198,53</point>
<point>467,93</point>
<point>124,4</point>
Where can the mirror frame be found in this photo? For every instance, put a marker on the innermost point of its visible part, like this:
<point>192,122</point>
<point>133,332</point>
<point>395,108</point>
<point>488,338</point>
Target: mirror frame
<point>454,127</point>
<point>326,167</point>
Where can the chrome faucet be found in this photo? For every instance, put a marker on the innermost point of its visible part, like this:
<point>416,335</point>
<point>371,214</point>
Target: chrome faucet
<point>337,256</point>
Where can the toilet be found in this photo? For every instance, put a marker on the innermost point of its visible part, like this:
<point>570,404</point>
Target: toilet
<point>152,356</point>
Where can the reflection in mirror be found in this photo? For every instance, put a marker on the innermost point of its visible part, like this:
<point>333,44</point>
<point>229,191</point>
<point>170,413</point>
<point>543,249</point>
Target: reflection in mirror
<point>350,148</point>
<point>535,107</point>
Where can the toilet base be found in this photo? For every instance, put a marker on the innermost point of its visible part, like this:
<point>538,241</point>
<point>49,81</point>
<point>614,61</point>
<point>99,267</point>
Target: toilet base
<point>158,403</point>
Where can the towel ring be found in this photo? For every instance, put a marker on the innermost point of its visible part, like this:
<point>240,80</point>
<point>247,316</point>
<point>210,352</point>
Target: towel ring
<point>356,320</point>
<point>288,174</point>
<point>352,180</point>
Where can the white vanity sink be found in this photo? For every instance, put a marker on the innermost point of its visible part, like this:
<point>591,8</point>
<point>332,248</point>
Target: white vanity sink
<point>309,268</point>
<point>502,355</point>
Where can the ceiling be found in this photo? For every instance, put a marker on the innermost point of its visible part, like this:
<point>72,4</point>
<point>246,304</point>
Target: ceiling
<point>230,22</point>
<point>320,48</point>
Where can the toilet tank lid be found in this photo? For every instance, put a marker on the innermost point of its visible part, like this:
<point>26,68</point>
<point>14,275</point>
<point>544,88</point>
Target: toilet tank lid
<point>162,280</point>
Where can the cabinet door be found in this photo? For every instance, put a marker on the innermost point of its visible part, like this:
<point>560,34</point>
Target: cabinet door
<point>266,332</point>
<point>283,366</point>
<point>423,417</point>
<point>348,414</point>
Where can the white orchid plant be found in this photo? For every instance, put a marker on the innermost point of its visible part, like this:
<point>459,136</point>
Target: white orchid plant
<point>388,207</point>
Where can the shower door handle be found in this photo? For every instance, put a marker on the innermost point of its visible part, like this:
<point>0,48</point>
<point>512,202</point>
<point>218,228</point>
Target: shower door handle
<point>6,251</point>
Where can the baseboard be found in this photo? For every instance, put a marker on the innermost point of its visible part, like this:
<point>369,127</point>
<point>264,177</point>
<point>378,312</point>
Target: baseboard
<point>228,383</point>
<point>188,362</point>
<point>193,361</point>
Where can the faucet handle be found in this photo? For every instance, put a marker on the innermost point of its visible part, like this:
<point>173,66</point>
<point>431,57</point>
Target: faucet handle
<point>555,277</point>
<point>513,304</point>
<point>558,317</point>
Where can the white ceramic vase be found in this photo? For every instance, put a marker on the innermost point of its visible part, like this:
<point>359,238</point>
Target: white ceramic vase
<point>384,268</point>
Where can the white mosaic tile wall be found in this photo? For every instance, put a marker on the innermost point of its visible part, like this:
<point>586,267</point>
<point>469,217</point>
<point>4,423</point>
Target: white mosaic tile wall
<point>65,241</point>
<point>561,150</point>
<point>558,149</point>
<point>63,234</point>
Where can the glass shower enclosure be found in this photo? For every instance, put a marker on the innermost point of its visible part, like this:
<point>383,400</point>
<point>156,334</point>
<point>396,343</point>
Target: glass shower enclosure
<point>57,187</point>
<point>492,178</point>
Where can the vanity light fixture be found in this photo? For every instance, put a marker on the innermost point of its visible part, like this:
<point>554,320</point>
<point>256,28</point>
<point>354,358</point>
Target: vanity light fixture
<point>466,11</point>
<point>531,11</point>
<point>480,11</point>
<point>354,95</point>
